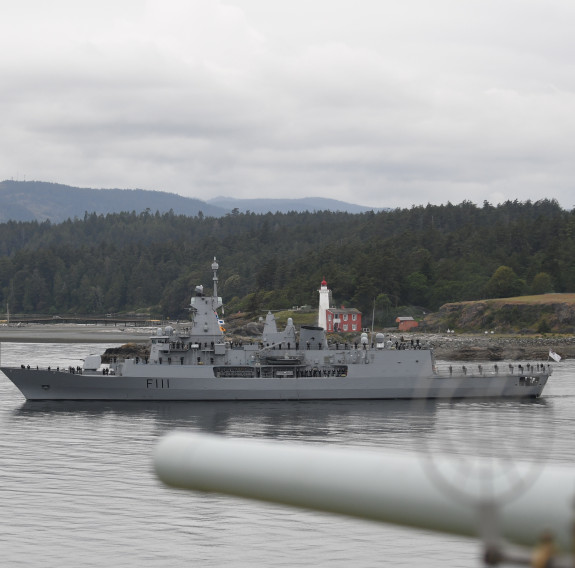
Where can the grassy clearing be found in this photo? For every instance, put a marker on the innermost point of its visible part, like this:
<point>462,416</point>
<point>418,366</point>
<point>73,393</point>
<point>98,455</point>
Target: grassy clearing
<point>541,299</point>
<point>299,318</point>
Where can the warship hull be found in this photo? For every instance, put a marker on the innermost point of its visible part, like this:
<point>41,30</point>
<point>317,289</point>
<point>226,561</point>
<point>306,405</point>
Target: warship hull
<point>196,362</point>
<point>62,385</point>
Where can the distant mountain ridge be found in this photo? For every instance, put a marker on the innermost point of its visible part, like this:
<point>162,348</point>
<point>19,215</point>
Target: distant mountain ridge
<point>41,201</point>
<point>263,205</point>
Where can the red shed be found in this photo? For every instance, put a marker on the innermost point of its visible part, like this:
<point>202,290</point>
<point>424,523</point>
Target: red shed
<point>406,323</point>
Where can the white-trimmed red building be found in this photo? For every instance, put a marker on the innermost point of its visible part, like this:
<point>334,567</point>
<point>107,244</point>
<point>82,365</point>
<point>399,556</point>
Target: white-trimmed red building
<point>342,320</point>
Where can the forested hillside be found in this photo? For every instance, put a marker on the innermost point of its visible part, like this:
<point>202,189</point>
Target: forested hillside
<point>424,256</point>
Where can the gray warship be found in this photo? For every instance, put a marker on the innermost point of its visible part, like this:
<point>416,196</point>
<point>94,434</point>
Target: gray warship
<point>195,362</point>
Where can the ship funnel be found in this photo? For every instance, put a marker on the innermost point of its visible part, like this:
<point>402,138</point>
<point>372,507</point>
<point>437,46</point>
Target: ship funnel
<point>312,337</point>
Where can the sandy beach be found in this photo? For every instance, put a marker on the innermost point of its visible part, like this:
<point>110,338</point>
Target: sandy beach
<point>74,333</point>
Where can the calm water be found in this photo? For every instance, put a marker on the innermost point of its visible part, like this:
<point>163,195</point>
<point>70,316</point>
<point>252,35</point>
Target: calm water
<point>77,488</point>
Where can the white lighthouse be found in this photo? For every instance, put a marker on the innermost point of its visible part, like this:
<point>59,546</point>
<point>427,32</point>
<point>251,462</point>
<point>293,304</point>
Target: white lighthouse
<point>324,297</point>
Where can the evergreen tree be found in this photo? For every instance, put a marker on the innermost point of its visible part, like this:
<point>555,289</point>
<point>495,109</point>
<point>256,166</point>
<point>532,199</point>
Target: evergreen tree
<point>504,284</point>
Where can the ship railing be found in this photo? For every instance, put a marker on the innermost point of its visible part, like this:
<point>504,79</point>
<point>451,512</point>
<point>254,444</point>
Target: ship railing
<point>340,346</point>
<point>73,370</point>
<point>493,370</point>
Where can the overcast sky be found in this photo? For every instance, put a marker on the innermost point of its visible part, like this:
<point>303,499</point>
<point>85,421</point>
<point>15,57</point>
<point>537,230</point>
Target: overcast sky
<point>377,102</point>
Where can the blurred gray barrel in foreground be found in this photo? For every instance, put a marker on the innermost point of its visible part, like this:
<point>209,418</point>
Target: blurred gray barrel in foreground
<point>380,485</point>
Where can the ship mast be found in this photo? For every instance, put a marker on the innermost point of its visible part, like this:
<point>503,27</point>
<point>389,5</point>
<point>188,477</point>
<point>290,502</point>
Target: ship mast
<point>215,267</point>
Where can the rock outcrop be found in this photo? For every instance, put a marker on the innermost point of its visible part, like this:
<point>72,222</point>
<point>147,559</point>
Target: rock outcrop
<point>547,313</point>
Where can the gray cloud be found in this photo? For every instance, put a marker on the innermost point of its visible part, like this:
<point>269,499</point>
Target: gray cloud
<point>381,103</point>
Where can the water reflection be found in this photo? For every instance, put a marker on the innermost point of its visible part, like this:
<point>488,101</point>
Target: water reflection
<point>271,419</point>
<point>75,475</point>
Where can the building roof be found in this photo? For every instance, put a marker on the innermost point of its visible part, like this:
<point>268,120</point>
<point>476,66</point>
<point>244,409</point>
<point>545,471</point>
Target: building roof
<point>343,311</point>
<point>405,318</point>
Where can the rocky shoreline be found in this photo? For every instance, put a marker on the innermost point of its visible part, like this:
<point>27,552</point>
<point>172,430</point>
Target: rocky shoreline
<point>498,348</point>
<point>466,346</point>
<point>449,347</point>
<point>462,346</point>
